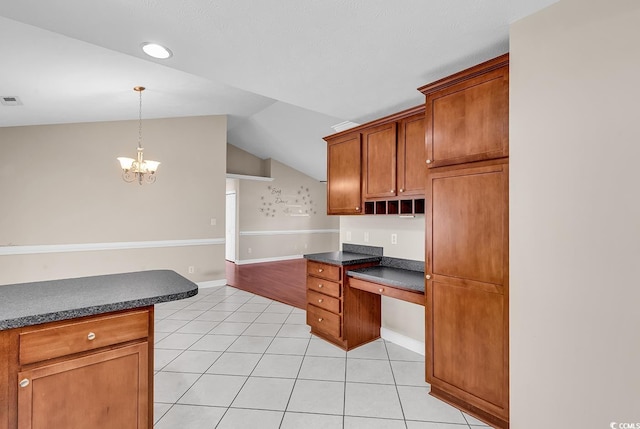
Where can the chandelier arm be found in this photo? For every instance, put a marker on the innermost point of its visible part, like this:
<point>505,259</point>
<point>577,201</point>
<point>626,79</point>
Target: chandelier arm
<point>128,176</point>
<point>149,178</point>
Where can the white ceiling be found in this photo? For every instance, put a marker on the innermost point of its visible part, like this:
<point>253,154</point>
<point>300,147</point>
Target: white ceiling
<point>283,70</point>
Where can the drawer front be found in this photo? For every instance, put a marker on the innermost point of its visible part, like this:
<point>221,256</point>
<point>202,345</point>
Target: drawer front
<point>328,303</point>
<point>324,321</point>
<point>394,292</point>
<point>323,286</point>
<point>326,271</point>
<point>61,340</point>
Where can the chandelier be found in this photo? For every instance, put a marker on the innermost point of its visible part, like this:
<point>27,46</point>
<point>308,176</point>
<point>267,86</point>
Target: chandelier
<point>139,169</point>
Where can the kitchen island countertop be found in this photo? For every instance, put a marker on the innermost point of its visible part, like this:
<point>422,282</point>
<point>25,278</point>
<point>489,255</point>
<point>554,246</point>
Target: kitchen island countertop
<point>27,304</point>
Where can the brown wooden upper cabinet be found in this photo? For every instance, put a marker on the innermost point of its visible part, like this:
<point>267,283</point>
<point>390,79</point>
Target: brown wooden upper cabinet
<point>467,115</point>
<point>379,160</point>
<point>411,155</point>
<point>344,182</point>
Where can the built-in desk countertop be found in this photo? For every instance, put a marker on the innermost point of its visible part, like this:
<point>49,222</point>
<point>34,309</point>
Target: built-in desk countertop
<point>394,277</point>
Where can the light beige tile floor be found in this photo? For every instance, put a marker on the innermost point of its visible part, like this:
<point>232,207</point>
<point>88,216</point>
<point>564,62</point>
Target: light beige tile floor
<point>226,358</point>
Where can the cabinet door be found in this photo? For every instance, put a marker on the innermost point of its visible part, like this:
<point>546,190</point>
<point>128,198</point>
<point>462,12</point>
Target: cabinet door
<point>411,156</point>
<point>379,161</point>
<point>344,182</point>
<point>469,121</point>
<point>104,390</point>
<point>467,288</point>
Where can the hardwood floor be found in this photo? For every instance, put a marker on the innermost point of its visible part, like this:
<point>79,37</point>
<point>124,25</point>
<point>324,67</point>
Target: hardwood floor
<point>282,281</point>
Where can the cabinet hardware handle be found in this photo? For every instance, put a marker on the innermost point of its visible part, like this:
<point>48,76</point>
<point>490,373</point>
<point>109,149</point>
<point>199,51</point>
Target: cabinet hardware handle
<point>357,208</point>
<point>320,270</point>
<point>391,190</point>
<point>320,285</point>
<point>401,190</point>
<point>320,300</point>
<point>320,319</point>
<point>380,290</point>
<point>24,382</point>
<point>428,277</point>
<point>428,161</point>
<point>91,336</point>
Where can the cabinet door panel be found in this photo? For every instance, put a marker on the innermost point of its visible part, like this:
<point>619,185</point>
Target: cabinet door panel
<point>379,157</point>
<point>468,224</point>
<point>104,390</point>
<point>467,294</point>
<point>468,328</point>
<point>469,121</point>
<point>344,180</point>
<point>411,156</point>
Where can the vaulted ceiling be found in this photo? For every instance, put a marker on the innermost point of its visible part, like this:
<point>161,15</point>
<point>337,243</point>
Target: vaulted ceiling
<point>283,71</point>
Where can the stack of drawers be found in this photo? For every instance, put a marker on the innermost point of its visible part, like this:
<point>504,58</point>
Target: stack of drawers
<point>345,316</point>
<point>324,300</point>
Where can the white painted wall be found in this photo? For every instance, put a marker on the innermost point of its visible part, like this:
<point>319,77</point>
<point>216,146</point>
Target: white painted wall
<point>60,185</point>
<point>401,317</point>
<point>575,216</point>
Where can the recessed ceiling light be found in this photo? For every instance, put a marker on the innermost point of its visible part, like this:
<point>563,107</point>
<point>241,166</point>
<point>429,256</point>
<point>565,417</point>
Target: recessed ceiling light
<point>156,51</point>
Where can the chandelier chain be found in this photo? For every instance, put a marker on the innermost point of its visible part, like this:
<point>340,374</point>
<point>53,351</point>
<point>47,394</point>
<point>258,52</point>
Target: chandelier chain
<point>140,120</point>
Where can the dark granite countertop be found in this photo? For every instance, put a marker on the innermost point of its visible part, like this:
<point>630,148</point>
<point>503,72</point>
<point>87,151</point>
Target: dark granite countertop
<point>342,258</point>
<point>390,276</point>
<point>27,304</point>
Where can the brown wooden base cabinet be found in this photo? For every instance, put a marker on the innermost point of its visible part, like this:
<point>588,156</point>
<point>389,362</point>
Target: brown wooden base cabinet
<point>344,316</point>
<point>91,372</point>
<point>467,288</point>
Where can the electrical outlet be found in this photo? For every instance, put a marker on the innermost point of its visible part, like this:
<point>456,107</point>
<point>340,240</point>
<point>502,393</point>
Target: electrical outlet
<point>192,269</point>
<point>366,237</point>
<point>306,245</point>
<point>348,235</point>
<point>394,238</point>
<point>213,221</point>
<point>249,250</point>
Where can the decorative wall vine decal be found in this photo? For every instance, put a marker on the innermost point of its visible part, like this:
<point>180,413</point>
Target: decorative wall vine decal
<point>296,203</point>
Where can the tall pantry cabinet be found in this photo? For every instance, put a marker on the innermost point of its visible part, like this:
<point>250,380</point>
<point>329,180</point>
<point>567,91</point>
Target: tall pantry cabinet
<point>467,243</point>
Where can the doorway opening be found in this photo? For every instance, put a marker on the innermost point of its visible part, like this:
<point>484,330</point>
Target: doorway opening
<point>230,226</point>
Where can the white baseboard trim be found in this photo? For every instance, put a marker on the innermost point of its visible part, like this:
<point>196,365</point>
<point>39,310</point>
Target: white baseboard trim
<point>403,341</point>
<point>122,245</point>
<point>212,283</point>
<point>291,232</point>
<point>274,259</point>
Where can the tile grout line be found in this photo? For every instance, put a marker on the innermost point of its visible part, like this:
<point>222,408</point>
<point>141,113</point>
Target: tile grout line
<point>344,394</point>
<point>205,372</point>
<point>195,381</point>
<point>246,379</point>
<point>293,326</point>
<point>254,368</point>
<point>295,381</point>
<point>395,383</point>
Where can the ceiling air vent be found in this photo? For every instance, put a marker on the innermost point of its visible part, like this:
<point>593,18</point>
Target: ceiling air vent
<point>10,101</point>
